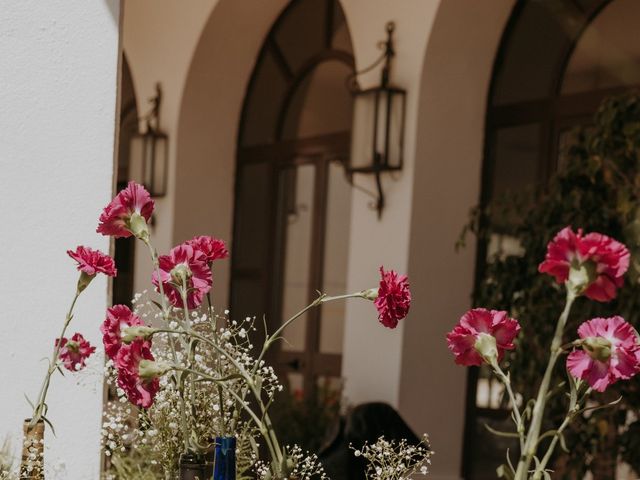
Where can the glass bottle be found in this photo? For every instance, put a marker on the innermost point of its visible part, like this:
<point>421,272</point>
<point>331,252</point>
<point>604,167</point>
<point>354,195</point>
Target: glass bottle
<point>224,467</point>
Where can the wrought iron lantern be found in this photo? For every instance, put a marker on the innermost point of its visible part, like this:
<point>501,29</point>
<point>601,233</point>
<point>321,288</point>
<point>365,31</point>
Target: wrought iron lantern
<point>149,150</point>
<point>378,130</point>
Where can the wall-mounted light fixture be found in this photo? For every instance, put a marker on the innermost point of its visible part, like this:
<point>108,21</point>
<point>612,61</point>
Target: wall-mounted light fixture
<point>378,130</point>
<point>150,149</point>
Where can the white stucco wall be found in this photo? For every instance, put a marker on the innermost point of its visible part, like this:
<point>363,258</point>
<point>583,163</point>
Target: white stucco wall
<point>58,78</point>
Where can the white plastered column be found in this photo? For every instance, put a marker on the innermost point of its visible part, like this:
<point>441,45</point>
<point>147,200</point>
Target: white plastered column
<point>58,85</point>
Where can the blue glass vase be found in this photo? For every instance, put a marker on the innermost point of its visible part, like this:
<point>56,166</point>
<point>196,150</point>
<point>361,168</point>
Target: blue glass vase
<point>224,466</point>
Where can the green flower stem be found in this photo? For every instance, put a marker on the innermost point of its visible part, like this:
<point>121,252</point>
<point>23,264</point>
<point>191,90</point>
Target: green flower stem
<point>165,317</point>
<point>265,425</point>
<point>317,302</point>
<point>262,422</point>
<point>183,379</point>
<point>517,417</point>
<point>38,411</point>
<point>531,443</point>
<point>218,365</point>
<point>574,408</point>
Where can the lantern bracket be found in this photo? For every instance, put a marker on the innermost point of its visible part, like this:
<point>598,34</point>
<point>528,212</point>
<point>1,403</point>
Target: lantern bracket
<point>387,127</point>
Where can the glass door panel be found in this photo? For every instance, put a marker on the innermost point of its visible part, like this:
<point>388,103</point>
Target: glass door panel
<point>297,203</point>
<point>336,256</point>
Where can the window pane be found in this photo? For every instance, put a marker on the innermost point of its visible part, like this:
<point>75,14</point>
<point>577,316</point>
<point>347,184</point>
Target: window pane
<point>296,198</point>
<point>536,45</point>
<point>608,53</point>
<point>253,216</point>
<point>302,34</point>
<point>322,104</point>
<point>336,258</point>
<point>263,102</point>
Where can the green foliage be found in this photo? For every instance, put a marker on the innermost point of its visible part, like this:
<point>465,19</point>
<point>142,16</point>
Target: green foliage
<point>598,189</point>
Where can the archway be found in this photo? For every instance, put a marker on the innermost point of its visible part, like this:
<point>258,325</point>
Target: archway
<point>543,86</point>
<point>207,129</point>
<point>292,207</point>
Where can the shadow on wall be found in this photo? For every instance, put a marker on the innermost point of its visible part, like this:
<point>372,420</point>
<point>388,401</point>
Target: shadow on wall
<point>114,9</point>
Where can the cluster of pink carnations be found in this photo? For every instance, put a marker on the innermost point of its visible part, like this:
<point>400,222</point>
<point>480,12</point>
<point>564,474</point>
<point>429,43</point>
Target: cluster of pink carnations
<point>191,262</point>
<point>607,350</point>
<point>74,351</point>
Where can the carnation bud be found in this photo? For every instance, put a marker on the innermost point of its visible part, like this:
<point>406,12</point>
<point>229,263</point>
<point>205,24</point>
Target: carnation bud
<point>598,348</point>
<point>581,275</point>
<point>370,294</point>
<point>137,225</point>
<point>180,274</point>
<point>148,370</point>
<point>129,334</point>
<point>486,346</point>
<point>84,281</point>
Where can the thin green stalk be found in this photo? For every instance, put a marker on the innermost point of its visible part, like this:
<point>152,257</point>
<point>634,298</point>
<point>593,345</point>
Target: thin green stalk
<point>53,366</point>
<point>183,379</point>
<point>165,317</point>
<point>512,398</point>
<point>218,365</point>
<point>531,443</point>
<point>571,413</point>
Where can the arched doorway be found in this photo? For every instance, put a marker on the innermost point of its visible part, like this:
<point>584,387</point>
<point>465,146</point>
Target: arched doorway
<point>292,200</point>
<point>557,61</point>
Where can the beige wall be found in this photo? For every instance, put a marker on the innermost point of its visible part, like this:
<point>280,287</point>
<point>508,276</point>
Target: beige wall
<point>373,354</point>
<point>452,107</point>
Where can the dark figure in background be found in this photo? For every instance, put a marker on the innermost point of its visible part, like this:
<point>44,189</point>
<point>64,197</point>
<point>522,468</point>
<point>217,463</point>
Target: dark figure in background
<point>365,423</point>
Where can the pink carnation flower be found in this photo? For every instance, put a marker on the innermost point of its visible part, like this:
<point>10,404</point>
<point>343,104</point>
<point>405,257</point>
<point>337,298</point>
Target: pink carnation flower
<point>472,325</point>
<point>118,318</point>
<point>139,391</point>
<point>610,352</point>
<point>212,248</point>
<point>115,218</point>
<point>184,263</point>
<point>92,261</point>
<point>394,298</point>
<point>606,259</point>
<point>74,352</point>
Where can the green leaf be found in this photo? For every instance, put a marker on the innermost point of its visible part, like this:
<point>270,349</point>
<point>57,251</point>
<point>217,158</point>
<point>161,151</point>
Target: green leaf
<point>46,420</point>
<point>501,434</point>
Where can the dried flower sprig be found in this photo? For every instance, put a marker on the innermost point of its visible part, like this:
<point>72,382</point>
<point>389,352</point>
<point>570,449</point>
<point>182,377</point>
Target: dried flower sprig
<point>190,356</point>
<point>395,460</point>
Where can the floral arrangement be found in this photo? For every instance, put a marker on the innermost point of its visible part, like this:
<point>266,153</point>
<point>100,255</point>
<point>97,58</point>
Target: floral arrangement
<point>606,351</point>
<point>185,374</point>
